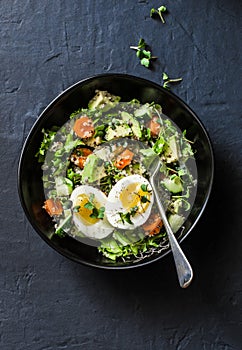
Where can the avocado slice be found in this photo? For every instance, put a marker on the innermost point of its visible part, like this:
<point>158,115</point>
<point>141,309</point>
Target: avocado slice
<point>143,110</point>
<point>171,150</point>
<point>175,222</point>
<point>93,170</point>
<point>173,185</point>
<point>64,186</point>
<point>103,99</point>
<point>122,130</point>
<point>134,124</point>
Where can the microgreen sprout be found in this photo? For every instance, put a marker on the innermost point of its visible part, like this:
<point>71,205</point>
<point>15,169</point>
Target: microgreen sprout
<point>97,213</point>
<point>159,12</point>
<point>167,81</point>
<point>127,216</point>
<point>144,188</point>
<point>141,45</point>
<point>76,209</point>
<point>89,205</point>
<point>144,199</point>
<point>144,55</point>
<point>133,210</point>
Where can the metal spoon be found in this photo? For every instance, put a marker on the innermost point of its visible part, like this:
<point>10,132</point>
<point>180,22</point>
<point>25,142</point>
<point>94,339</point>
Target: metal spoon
<point>184,270</point>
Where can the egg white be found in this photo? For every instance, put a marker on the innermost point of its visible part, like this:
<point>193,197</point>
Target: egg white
<point>114,205</point>
<point>99,229</point>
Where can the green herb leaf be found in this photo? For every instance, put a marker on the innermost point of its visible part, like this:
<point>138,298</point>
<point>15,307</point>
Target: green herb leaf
<point>159,145</point>
<point>158,12</point>
<point>89,206</point>
<point>76,209</point>
<point>167,80</point>
<point>91,198</point>
<point>162,9</point>
<point>139,54</point>
<point>49,136</point>
<point>125,218</point>
<point>101,213</point>
<point>94,213</point>
<point>144,187</point>
<point>100,130</point>
<point>144,199</point>
<point>145,62</point>
<point>144,55</point>
<point>142,44</point>
<point>152,11</point>
<point>133,210</point>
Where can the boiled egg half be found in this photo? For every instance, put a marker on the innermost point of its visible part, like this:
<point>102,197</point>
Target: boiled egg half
<point>129,202</point>
<point>88,201</point>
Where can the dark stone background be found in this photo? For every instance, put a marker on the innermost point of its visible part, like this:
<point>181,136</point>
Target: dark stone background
<point>50,303</point>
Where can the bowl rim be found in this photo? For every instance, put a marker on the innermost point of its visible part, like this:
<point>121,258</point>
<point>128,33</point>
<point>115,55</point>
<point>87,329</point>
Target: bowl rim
<point>83,81</point>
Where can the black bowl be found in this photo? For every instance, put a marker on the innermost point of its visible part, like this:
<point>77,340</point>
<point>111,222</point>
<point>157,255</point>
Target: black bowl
<point>57,113</point>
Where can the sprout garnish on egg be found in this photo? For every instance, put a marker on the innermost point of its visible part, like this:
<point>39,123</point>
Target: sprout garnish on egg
<point>89,212</point>
<point>129,202</point>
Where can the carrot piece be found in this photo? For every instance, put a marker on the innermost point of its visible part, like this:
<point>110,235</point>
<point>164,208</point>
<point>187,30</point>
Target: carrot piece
<point>80,160</point>
<point>84,127</point>
<point>153,225</point>
<point>154,126</point>
<point>85,152</point>
<point>124,159</point>
<point>53,207</point>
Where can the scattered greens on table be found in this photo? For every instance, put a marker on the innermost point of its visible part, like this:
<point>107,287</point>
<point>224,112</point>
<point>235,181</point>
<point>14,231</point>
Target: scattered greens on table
<point>167,81</point>
<point>116,142</point>
<point>162,9</point>
<point>143,54</point>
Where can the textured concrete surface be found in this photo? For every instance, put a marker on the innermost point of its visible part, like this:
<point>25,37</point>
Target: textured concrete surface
<point>50,303</point>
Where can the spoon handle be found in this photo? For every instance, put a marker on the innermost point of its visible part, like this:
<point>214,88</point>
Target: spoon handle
<point>184,270</point>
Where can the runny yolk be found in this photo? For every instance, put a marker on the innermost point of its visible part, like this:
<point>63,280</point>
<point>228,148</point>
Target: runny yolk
<point>131,197</point>
<point>83,212</point>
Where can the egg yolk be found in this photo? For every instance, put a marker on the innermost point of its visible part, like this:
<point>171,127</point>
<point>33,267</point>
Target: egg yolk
<point>85,213</point>
<point>131,196</point>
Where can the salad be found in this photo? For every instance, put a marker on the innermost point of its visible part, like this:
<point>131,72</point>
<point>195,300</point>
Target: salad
<point>96,171</point>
